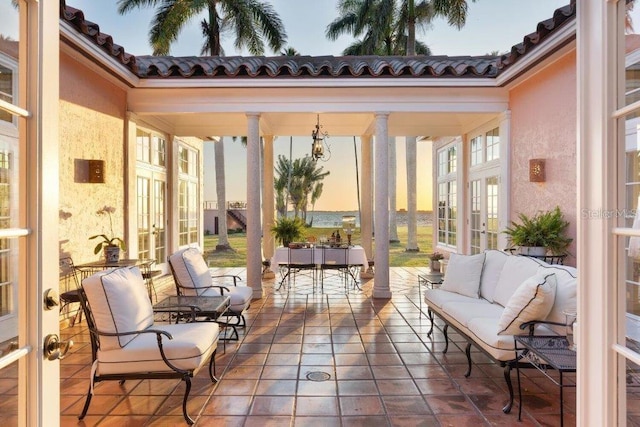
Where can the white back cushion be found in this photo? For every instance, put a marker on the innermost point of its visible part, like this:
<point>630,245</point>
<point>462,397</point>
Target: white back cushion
<point>493,263</point>
<point>566,293</point>
<point>515,271</point>
<point>190,269</point>
<point>531,301</point>
<point>463,275</point>
<point>119,302</point>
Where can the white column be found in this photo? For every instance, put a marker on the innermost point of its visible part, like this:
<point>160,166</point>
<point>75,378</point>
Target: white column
<point>366,216</point>
<point>254,229</point>
<point>599,373</point>
<point>381,287</point>
<point>393,190</point>
<point>268,202</point>
<point>412,203</point>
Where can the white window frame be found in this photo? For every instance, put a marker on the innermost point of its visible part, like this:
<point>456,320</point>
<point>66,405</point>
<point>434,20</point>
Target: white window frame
<point>451,176</point>
<point>192,181</point>
<point>599,64</point>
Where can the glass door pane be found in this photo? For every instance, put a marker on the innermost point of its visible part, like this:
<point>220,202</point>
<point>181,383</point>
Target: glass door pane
<point>491,212</point>
<point>475,224</point>
<point>159,223</point>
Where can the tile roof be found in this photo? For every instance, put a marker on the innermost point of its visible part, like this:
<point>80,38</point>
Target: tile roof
<point>253,67</point>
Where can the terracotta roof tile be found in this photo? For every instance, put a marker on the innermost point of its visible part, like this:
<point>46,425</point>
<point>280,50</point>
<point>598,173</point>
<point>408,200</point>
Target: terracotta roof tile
<point>316,66</point>
<point>560,17</point>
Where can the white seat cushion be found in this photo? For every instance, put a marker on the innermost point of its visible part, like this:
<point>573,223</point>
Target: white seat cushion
<point>531,301</point>
<point>119,302</point>
<point>190,348</point>
<point>439,297</point>
<point>239,297</point>
<point>501,347</point>
<point>464,312</point>
<point>463,275</point>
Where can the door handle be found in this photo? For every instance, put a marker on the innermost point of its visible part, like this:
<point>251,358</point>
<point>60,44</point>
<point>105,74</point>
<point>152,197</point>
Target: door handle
<point>54,348</point>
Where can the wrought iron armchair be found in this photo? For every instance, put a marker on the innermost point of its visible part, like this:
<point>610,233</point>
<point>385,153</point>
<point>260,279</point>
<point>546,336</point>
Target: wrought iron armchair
<point>127,344</point>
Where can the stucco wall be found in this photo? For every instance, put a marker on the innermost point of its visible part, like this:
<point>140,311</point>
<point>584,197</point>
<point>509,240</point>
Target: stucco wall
<point>543,125</point>
<point>92,112</point>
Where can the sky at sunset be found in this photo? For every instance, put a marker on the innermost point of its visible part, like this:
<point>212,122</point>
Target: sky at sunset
<point>492,25</point>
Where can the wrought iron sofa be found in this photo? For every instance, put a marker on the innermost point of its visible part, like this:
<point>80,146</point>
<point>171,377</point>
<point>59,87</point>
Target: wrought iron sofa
<point>490,297</point>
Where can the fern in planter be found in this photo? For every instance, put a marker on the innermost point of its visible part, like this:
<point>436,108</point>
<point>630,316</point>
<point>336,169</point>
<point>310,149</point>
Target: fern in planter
<point>287,230</point>
<point>545,229</point>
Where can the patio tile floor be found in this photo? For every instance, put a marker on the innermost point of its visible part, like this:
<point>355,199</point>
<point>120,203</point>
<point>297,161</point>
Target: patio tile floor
<point>381,369</point>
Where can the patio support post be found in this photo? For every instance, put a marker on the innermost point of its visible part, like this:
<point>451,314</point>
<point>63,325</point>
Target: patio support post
<point>381,287</point>
<point>412,229</point>
<point>268,202</point>
<point>366,215</point>
<point>254,229</point>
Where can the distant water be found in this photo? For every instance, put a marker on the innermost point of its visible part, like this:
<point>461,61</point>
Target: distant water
<point>326,219</point>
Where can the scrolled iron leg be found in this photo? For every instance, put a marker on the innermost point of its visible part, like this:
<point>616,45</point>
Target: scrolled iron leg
<point>430,315</point>
<point>446,338</point>
<point>86,404</point>
<point>187,418</point>
<point>468,353</point>
<point>507,377</point>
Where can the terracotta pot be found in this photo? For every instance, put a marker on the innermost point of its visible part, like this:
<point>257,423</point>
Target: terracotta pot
<point>434,265</point>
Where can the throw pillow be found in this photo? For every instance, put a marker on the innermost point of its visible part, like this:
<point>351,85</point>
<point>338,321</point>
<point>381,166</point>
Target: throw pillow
<point>532,301</point>
<point>120,303</point>
<point>463,275</point>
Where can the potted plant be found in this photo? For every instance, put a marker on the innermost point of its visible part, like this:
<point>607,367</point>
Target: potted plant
<point>545,231</point>
<point>287,230</point>
<point>434,261</point>
<point>109,243</point>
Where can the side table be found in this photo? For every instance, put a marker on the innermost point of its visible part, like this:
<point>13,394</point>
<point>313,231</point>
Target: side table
<point>431,280</point>
<point>190,308</point>
<point>544,352</point>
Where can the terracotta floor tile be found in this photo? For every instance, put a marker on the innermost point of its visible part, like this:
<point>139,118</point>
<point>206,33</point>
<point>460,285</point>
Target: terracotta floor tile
<point>357,388</point>
<point>317,405</point>
<point>361,405</point>
<point>276,387</point>
<point>317,388</point>
<point>397,387</point>
<point>317,422</point>
<point>227,405</point>
<point>353,372</point>
<point>280,372</point>
<point>403,405</point>
<point>450,404</point>
<point>272,405</point>
<point>390,372</point>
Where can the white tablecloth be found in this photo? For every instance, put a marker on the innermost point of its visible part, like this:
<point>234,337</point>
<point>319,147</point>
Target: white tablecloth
<point>357,256</point>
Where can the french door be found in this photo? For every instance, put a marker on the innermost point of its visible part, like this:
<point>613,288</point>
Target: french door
<point>29,241</point>
<point>152,220</point>
<point>484,210</point>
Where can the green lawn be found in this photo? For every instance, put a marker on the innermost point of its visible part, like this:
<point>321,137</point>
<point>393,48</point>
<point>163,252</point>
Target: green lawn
<point>398,257</point>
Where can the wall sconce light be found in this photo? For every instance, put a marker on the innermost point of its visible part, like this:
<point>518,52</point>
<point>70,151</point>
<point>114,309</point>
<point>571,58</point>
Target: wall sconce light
<point>536,170</point>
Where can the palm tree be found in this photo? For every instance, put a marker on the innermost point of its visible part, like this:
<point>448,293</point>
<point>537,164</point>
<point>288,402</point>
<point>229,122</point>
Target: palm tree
<point>305,182</point>
<point>252,22</point>
<point>380,23</point>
